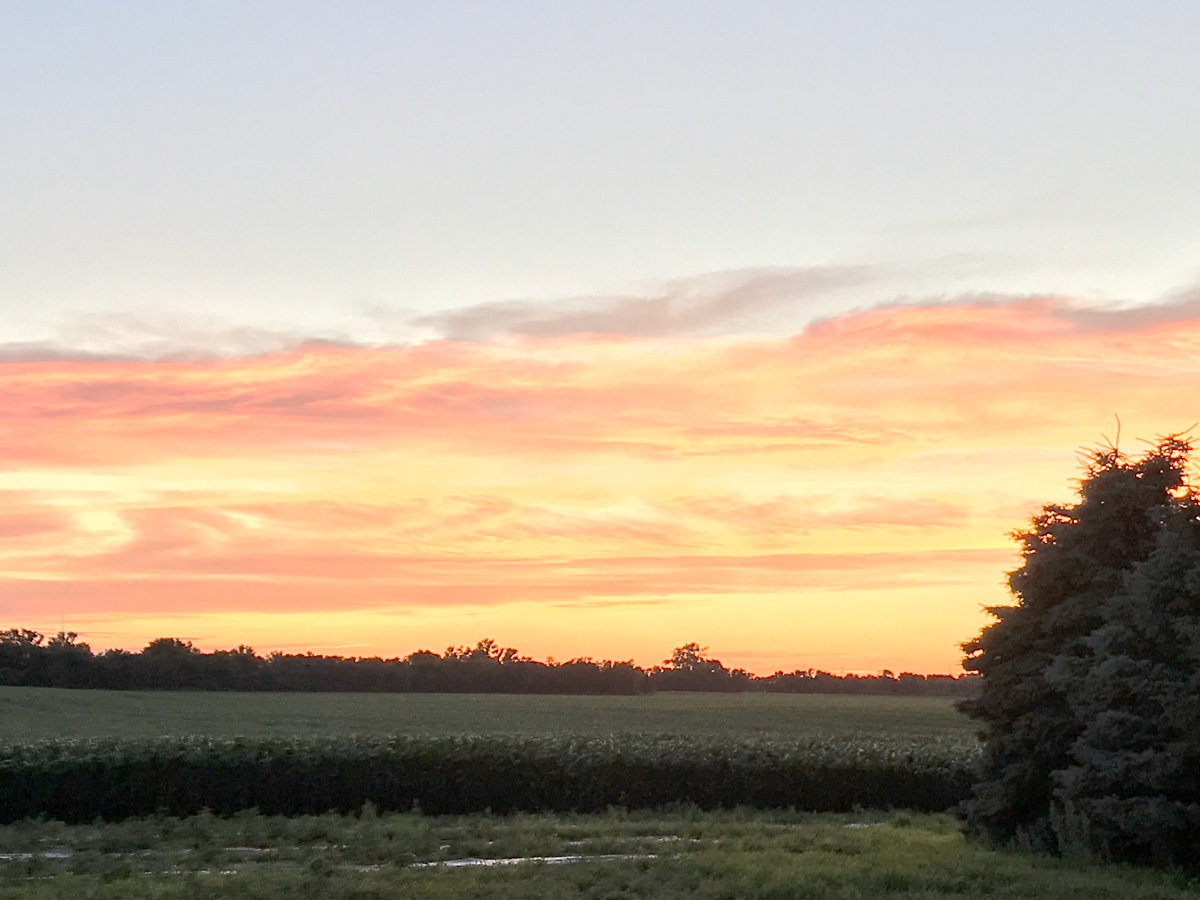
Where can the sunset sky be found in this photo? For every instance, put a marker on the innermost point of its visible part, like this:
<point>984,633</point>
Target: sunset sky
<point>591,328</point>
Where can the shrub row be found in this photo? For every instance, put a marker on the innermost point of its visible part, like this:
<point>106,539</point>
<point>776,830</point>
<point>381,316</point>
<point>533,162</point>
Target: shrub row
<point>79,781</point>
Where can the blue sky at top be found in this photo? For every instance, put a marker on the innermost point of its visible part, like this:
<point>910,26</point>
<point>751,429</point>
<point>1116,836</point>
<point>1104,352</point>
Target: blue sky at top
<point>342,169</point>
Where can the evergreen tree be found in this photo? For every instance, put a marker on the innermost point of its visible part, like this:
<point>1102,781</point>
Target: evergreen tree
<point>1132,791</point>
<point>1055,668</point>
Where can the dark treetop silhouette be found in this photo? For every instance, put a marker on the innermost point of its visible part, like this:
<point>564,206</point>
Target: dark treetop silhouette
<point>27,658</point>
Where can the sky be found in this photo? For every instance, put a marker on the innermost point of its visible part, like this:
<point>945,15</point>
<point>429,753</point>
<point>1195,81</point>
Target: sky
<point>591,328</point>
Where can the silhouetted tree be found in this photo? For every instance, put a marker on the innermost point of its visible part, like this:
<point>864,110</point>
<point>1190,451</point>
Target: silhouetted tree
<point>27,658</point>
<point>688,669</point>
<point>1088,706</point>
<point>170,663</point>
<point>66,662</point>
<point>19,654</point>
<point>239,670</point>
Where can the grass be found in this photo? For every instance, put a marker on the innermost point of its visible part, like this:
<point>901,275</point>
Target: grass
<point>673,854</point>
<point>32,714</point>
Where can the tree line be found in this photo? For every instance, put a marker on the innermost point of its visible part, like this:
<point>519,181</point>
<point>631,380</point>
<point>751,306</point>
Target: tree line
<point>28,658</point>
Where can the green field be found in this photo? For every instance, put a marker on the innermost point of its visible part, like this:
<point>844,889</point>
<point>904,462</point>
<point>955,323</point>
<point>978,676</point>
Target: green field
<point>671,855</point>
<point>671,851</point>
<point>34,714</point>
<point>78,755</point>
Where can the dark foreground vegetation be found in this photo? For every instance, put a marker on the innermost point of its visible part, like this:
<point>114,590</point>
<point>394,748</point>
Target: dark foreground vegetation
<point>616,855</point>
<point>28,659</point>
<point>1090,700</point>
<point>129,753</point>
<point>78,781</point>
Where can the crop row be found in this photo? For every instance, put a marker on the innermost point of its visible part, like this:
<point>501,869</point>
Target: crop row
<point>79,781</point>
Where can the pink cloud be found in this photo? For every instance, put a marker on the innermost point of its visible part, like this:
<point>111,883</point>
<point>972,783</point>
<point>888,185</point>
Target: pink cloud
<point>890,445</point>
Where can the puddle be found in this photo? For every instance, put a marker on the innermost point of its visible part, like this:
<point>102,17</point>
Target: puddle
<point>464,863</point>
<point>472,862</point>
<point>56,853</point>
<point>631,839</point>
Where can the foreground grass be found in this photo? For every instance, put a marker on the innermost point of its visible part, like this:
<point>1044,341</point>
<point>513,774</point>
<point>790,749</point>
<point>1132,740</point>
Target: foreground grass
<point>676,854</point>
<point>34,714</point>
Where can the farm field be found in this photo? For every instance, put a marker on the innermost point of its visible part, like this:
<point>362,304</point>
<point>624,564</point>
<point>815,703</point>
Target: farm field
<point>672,854</point>
<point>79,755</point>
<point>484,747</point>
<point>34,714</point>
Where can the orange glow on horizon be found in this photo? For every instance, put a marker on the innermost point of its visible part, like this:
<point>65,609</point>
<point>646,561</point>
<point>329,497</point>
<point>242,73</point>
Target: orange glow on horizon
<point>839,499</point>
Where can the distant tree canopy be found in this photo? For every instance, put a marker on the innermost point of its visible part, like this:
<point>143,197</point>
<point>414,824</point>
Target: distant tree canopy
<point>1090,696</point>
<point>27,658</point>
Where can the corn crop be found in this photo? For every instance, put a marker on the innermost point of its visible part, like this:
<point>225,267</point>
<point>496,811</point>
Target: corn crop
<point>79,781</point>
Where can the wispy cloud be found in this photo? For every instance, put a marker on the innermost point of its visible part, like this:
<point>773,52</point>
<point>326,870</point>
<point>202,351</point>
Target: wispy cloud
<point>796,516</point>
<point>854,469</point>
<point>152,335</point>
<point>1183,306</point>
<point>685,306</point>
